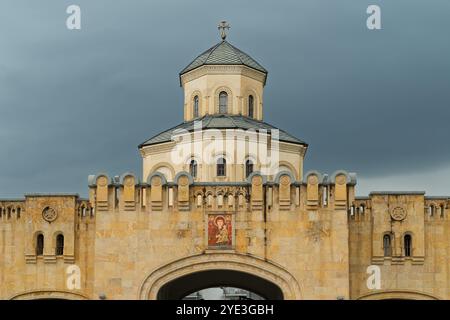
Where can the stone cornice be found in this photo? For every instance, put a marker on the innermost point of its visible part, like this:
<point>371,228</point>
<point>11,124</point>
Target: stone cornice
<point>222,69</point>
<point>157,148</point>
<point>292,148</point>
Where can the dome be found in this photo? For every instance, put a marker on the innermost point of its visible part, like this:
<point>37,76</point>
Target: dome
<point>224,53</point>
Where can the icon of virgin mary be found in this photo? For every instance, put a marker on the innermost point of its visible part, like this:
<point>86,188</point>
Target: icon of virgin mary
<point>222,237</point>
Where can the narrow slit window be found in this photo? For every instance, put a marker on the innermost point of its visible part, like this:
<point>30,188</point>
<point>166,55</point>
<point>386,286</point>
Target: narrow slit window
<point>196,111</point>
<point>59,245</point>
<point>193,168</point>
<point>40,244</point>
<point>251,110</point>
<point>325,196</point>
<point>387,245</point>
<point>408,245</point>
<point>248,168</point>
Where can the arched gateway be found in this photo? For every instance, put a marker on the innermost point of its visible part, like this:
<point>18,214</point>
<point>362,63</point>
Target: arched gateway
<point>223,200</point>
<point>179,278</point>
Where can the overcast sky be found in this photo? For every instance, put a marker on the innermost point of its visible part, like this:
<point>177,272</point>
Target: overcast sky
<point>74,103</point>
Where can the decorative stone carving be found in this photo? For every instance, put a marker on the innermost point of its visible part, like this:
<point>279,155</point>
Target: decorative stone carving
<point>257,181</point>
<point>183,189</point>
<point>102,191</point>
<point>183,181</point>
<point>156,181</point>
<point>183,192</point>
<point>156,193</point>
<point>257,192</point>
<point>284,180</point>
<point>128,181</point>
<point>102,181</point>
<point>312,190</point>
<point>49,214</point>
<point>317,230</point>
<point>340,193</point>
<point>285,192</point>
<point>398,213</point>
<point>313,180</point>
<point>128,189</point>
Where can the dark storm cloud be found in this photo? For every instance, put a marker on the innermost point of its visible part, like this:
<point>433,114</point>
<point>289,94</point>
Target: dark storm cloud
<point>78,102</point>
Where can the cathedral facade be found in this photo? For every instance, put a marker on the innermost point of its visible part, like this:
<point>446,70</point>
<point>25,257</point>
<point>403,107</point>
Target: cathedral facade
<point>223,201</point>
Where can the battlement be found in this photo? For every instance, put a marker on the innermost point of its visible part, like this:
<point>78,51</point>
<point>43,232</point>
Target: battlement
<point>15,209</point>
<point>11,209</point>
<point>396,224</point>
<point>127,193</point>
<point>435,207</point>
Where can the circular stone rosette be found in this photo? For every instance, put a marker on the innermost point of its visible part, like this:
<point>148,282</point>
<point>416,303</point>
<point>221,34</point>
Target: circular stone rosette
<point>49,214</point>
<point>398,213</point>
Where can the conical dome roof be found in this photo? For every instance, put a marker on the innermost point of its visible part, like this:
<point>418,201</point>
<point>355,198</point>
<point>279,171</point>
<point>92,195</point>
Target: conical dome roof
<point>224,53</point>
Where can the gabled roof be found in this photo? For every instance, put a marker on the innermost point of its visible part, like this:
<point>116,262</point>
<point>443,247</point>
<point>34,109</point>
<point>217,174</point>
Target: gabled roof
<point>224,53</point>
<point>221,121</point>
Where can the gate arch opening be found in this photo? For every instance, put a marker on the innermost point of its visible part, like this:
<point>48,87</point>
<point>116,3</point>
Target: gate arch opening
<point>235,267</point>
<point>179,288</point>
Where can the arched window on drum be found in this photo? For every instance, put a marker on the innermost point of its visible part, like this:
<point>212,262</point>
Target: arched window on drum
<point>223,102</point>
<point>251,107</point>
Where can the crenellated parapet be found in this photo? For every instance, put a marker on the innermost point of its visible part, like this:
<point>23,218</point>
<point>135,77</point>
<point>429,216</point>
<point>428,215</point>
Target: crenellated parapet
<point>284,193</point>
<point>335,193</point>
<point>43,228</point>
<point>397,224</point>
<point>11,209</point>
<point>437,209</point>
<point>404,233</point>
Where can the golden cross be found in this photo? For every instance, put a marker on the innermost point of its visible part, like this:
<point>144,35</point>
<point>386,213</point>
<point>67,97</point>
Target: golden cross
<point>223,26</point>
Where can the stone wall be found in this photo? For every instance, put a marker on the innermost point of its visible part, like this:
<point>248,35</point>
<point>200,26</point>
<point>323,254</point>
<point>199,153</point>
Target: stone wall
<point>22,270</point>
<point>312,238</point>
<point>423,274</point>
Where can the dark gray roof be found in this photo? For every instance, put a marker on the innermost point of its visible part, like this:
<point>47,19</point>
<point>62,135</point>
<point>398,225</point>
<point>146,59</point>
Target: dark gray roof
<point>396,193</point>
<point>221,121</point>
<point>223,53</point>
<point>52,194</point>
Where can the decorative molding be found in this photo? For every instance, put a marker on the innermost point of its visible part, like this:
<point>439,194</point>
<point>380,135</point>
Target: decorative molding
<point>226,260</point>
<point>157,148</point>
<point>222,69</point>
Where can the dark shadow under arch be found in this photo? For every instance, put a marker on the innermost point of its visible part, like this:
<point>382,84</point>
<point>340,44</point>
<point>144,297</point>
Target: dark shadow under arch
<point>181,287</point>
